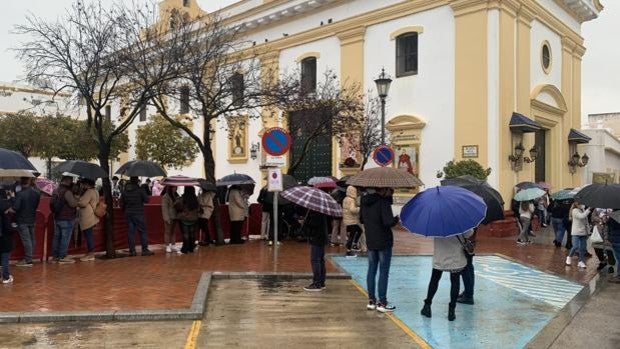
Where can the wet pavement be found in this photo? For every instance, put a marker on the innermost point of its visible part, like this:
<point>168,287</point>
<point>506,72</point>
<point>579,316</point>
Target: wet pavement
<point>168,281</point>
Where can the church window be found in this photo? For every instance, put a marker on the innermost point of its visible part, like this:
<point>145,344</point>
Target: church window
<point>407,54</point>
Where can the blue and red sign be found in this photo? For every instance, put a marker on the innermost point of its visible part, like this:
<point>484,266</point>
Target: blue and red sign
<point>383,155</point>
<point>276,141</point>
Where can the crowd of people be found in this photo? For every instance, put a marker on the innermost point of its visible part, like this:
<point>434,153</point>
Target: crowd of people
<point>365,226</point>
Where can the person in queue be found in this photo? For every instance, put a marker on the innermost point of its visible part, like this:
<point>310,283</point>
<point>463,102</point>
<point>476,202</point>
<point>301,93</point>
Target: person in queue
<point>87,219</point>
<point>237,210</point>
<point>132,202</point>
<point>579,216</point>
<point>65,213</point>
<point>188,210</point>
<point>378,219</point>
<point>169,213</point>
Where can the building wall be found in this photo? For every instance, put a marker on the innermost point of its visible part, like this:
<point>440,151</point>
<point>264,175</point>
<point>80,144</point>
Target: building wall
<point>604,153</point>
<point>539,34</point>
<point>610,121</point>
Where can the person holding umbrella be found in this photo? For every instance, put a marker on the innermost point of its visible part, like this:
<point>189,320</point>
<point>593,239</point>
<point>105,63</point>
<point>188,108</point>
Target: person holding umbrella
<point>237,209</point>
<point>87,218</point>
<point>188,210</point>
<point>526,209</point>
<point>132,202</point>
<point>205,199</point>
<point>579,215</point>
<point>378,219</point>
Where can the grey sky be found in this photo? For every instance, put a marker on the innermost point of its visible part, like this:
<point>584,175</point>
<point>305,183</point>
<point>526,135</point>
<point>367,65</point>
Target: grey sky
<point>600,69</point>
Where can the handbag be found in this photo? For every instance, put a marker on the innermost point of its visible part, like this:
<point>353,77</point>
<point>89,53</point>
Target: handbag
<point>101,209</point>
<point>468,245</point>
<point>596,235</point>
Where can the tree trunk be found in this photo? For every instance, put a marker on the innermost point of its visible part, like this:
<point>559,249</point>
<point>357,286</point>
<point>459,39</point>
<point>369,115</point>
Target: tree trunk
<point>209,168</point>
<point>108,232</point>
<point>48,165</point>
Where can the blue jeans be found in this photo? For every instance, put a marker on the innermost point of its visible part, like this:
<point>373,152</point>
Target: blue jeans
<point>62,235</point>
<point>136,222</point>
<point>382,260</point>
<point>4,261</point>
<point>616,247</point>
<point>26,233</point>
<point>88,234</point>
<point>468,277</point>
<point>579,244</point>
<point>317,260</point>
<point>558,228</point>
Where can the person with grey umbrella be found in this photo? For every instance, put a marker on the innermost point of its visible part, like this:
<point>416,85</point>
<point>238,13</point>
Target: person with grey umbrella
<point>132,202</point>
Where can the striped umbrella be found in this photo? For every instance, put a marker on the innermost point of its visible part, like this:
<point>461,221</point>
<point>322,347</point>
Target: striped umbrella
<point>313,199</point>
<point>385,177</point>
<point>180,181</point>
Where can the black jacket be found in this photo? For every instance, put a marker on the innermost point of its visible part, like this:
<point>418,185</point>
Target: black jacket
<point>560,208</point>
<point>316,226</point>
<point>378,219</point>
<point>613,231</point>
<point>6,232</point>
<point>133,199</point>
<point>25,206</point>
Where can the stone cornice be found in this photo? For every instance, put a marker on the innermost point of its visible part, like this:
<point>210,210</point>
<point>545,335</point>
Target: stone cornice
<point>352,35</point>
<point>463,7</point>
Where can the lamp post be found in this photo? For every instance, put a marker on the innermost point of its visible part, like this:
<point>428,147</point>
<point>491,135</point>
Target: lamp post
<point>383,87</point>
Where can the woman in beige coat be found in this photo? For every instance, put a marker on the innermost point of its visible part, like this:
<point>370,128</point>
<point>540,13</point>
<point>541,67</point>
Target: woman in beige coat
<point>169,214</point>
<point>87,218</point>
<point>205,199</point>
<point>237,209</point>
<point>351,218</point>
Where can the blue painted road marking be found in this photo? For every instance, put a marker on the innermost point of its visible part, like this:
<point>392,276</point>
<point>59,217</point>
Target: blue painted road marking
<point>513,302</point>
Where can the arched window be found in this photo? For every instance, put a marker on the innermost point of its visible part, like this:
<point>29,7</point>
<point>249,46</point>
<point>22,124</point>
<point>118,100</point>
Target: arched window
<point>308,75</point>
<point>407,54</point>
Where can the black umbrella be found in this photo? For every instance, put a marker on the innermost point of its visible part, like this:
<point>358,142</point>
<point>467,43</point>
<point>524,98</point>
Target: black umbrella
<point>12,160</point>
<point>82,169</point>
<point>492,198</point>
<point>234,179</point>
<point>600,196</point>
<point>528,185</point>
<point>207,185</point>
<point>288,181</point>
<point>141,168</point>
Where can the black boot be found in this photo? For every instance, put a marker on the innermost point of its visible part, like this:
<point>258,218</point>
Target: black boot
<point>451,315</point>
<point>426,311</point>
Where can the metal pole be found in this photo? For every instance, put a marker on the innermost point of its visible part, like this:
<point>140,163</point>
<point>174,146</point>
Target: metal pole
<point>275,229</point>
<point>382,120</point>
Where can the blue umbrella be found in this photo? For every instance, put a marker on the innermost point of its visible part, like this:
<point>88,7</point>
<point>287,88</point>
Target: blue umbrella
<point>529,194</point>
<point>564,194</point>
<point>443,211</point>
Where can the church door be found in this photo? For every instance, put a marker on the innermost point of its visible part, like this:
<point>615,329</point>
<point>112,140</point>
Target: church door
<point>317,158</point>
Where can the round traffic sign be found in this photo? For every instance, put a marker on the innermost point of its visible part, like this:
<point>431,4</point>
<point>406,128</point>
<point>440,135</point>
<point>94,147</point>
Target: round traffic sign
<point>383,155</point>
<point>276,141</point>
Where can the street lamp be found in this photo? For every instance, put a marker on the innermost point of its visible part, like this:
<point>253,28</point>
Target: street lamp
<point>383,87</point>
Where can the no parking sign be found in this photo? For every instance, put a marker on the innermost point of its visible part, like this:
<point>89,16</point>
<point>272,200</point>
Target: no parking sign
<point>383,155</point>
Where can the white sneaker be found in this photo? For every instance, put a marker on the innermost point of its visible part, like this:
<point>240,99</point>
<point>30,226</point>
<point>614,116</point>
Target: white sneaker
<point>8,281</point>
<point>582,265</point>
<point>168,248</point>
<point>568,260</point>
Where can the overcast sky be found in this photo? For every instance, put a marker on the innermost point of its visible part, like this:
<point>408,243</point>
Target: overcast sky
<point>600,69</point>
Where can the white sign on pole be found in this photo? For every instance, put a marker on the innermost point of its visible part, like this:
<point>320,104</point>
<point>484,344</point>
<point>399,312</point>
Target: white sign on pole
<point>274,180</point>
<point>275,161</point>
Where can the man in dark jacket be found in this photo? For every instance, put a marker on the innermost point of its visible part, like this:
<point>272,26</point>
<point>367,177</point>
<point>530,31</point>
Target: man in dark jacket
<point>316,224</point>
<point>378,219</point>
<point>613,235</point>
<point>64,220</point>
<point>6,237</point>
<point>25,209</point>
<point>132,201</point>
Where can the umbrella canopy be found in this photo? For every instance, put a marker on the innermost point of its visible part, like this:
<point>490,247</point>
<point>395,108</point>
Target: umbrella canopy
<point>12,160</point>
<point>443,211</point>
<point>527,185</point>
<point>12,174</point>
<point>544,185</point>
<point>313,199</point>
<point>288,182</point>
<point>46,185</point>
<point>141,168</point>
<point>529,194</point>
<point>314,181</point>
<point>235,179</point>
<point>82,169</point>
<point>600,196</point>
<point>384,177</point>
<point>180,181</point>
<point>207,185</point>
<point>492,198</point>
<point>564,194</point>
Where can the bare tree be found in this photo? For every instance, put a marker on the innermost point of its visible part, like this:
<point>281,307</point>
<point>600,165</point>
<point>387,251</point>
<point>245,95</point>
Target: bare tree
<point>86,53</point>
<point>332,110</point>
<point>369,136</point>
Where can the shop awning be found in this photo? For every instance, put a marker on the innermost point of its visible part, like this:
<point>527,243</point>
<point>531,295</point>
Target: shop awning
<point>521,123</point>
<point>575,136</point>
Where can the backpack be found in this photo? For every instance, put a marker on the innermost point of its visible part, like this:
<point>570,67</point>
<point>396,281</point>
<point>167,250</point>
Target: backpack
<point>56,203</point>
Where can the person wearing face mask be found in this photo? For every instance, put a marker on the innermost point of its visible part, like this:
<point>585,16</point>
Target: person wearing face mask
<point>579,216</point>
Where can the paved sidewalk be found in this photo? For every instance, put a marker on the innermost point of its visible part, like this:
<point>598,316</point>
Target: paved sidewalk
<point>168,281</point>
